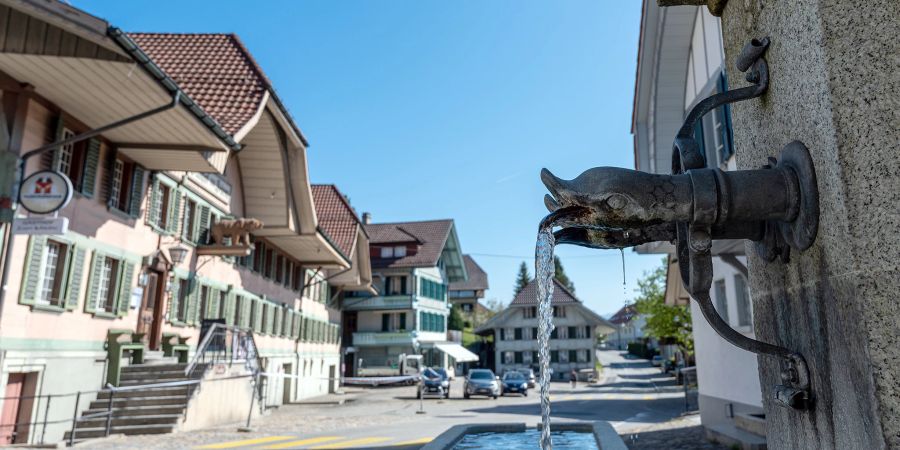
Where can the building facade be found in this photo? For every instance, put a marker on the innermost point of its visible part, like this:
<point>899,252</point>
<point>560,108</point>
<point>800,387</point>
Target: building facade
<point>466,295</point>
<point>629,328</point>
<point>413,264</point>
<point>141,253</point>
<point>573,340</point>
<point>681,62</point>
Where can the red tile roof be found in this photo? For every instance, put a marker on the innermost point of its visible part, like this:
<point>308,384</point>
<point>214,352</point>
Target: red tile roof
<point>336,217</point>
<point>623,315</point>
<point>478,279</point>
<point>215,70</point>
<point>529,295</point>
<point>431,235</point>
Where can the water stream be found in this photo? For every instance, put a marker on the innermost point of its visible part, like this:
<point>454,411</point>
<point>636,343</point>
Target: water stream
<point>544,272</point>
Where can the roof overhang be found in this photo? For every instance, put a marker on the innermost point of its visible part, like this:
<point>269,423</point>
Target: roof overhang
<point>454,264</point>
<point>75,65</point>
<point>311,250</point>
<point>359,276</point>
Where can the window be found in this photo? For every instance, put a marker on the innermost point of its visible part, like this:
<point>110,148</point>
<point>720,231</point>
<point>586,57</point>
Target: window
<point>518,334</point>
<point>518,356</point>
<point>125,184</point>
<point>279,269</point>
<point>583,356</point>
<point>502,334</point>
<point>432,289</point>
<point>387,252</point>
<point>399,251</point>
<point>554,356</point>
<point>223,300</point>
<point>562,333</point>
<point>259,257</point>
<point>528,357</point>
<point>188,221</point>
<point>559,311</point>
<point>52,277</point>
<point>467,307</point>
<point>115,192</point>
<point>508,358</point>
<point>587,332</point>
<point>297,278</point>
<point>204,302</point>
<point>184,290</point>
<point>160,206</point>
<point>393,322</point>
<point>105,299</point>
<point>554,334</point>
<point>395,285</point>
<point>530,312</point>
<point>721,300</point>
<point>535,358</point>
<point>573,333</point>
<point>534,333</point>
<point>269,263</point>
<point>714,133</point>
<point>573,356</point>
<point>743,301</point>
<point>238,307</point>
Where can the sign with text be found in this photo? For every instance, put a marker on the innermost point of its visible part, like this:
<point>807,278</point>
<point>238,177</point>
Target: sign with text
<point>41,225</point>
<point>45,192</point>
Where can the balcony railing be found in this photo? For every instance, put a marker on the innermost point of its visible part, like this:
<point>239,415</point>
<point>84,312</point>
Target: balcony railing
<point>383,338</point>
<point>372,303</point>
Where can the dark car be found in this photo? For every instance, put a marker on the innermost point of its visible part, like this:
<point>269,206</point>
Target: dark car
<point>434,382</point>
<point>529,375</point>
<point>514,383</point>
<point>481,382</point>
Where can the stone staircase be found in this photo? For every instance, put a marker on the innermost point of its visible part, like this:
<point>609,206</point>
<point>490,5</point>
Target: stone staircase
<point>145,411</point>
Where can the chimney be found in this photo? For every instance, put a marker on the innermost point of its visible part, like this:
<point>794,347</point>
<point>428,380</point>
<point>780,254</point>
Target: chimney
<point>367,218</point>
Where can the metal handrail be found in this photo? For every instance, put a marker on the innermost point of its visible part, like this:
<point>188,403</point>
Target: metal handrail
<point>219,333</point>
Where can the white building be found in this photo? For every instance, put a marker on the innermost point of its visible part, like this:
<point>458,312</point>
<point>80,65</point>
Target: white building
<point>572,342</point>
<point>681,62</point>
<point>629,327</point>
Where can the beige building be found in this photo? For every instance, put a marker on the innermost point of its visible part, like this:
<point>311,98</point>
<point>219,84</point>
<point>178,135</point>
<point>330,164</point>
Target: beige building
<point>138,255</point>
<point>466,295</point>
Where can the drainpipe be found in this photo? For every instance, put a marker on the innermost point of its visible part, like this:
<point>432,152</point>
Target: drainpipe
<point>4,278</point>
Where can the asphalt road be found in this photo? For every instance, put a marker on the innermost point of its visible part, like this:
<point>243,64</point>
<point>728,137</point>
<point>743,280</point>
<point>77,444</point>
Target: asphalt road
<point>631,395</point>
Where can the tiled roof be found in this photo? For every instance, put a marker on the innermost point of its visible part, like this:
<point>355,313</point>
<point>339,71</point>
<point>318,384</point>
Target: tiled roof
<point>529,295</point>
<point>336,217</point>
<point>431,236</point>
<point>478,279</point>
<point>215,70</point>
<point>623,315</point>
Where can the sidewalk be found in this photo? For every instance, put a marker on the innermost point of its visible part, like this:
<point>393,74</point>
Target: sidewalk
<point>682,433</point>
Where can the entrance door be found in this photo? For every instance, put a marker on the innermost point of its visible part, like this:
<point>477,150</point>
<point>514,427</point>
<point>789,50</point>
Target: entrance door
<point>152,307</point>
<point>10,416</point>
<point>288,381</point>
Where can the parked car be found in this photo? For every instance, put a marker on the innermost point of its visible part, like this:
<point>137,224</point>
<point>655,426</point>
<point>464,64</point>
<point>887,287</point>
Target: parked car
<point>481,382</point>
<point>514,382</point>
<point>529,375</point>
<point>435,382</point>
<point>657,361</point>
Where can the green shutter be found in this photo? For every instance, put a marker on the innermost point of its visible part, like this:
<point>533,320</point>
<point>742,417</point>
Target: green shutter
<point>193,303</point>
<point>173,300</point>
<point>125,278</point>
<point>246,307</point>
<point>277,321</point>
<point>60,125</point>
<point>172,218</point>
<point>76,273</point>
<point>212,304</point>
<point>32,275</point>
<point>257,320</point>
<point>109,166</point>
<point>295,331</point>
<point>270,319</point>
<point>137,192</point>
<point>402,321</point>
<point>304,329</point>
<point>229,308</point>
<point>202,236</point>
<point>91,161</point>
<point>90,304</point>
<point>152,211</point>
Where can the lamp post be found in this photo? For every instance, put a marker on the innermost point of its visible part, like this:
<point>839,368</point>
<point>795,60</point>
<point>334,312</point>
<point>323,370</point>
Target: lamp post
<point>177,254</point>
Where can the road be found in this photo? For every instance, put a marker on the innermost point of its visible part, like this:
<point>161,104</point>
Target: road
<point>631,395</point>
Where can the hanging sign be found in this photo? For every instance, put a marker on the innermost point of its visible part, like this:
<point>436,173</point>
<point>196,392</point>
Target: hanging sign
<point>45,192</point>
<point>41,225</point>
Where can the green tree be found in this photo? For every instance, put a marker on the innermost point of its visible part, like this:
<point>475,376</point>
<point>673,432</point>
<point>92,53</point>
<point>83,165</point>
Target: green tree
<point>455,321</point>
<point>664,322</point>
<point>523,278</point>
<point>560,274</point>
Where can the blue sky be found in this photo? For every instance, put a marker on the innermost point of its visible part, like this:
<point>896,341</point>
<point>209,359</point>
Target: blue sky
<point>436,109</point>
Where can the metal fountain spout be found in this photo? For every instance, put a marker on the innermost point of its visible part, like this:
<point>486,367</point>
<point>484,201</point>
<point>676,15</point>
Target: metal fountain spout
<point>775,206</point>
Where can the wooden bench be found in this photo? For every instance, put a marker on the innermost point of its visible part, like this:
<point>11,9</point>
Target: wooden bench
<point>175,345</point>
<point>117,343</point>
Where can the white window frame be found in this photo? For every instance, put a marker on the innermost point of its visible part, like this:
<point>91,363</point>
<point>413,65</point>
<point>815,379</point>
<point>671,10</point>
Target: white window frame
<point>387,252</point>
<point>399,251</point>
<point>49,276</point>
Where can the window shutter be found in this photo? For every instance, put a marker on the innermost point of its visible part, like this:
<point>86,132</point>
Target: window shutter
<point>91,161</point>
<point>203,228</point>
<point>152,211</point>
<point>76,273</point>
<point>725,111</point>
<point>270,319</point>
<point>109,166</point>
<point>276,330</point>
<point>212,304</point>
<point>32,269</point>
<point>137,191</point>
<point>125,277</point>
<point>246,307</point>
<point>402,321</point>
<point>173,300</point>
<point>57,136</point>
<point>229,308</point>
<point>173,215</point>
<point>90,304</point>
<point>257,322</point>
<point>296,328</point>
<point>385,321</point>
<point>192,299</point>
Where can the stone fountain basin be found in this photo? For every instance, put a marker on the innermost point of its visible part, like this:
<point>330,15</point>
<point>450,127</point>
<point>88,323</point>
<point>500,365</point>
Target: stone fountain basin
<point>603,432</point>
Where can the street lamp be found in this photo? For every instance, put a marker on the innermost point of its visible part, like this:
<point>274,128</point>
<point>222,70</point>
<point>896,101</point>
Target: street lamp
<point>177,253</point>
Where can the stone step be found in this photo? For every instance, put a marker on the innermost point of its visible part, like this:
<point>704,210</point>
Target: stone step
<point>160,400</point>
<point>156,419</point>
<point>731,436</point>
<point>150,392</point>
<point>160,374</point>
<point>87,433</point>
<point>754,423</point>
<point>134,411</point>
<point>149,381</point>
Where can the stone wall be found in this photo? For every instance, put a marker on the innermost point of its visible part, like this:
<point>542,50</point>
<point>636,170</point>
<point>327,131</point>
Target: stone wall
<point>835,85</point>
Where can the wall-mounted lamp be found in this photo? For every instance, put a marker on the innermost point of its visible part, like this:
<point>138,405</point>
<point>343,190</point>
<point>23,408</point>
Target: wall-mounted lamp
<point>177,253</point>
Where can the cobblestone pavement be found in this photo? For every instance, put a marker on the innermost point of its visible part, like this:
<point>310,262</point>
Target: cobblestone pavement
<point>633,396</point>
<point>682,433</point>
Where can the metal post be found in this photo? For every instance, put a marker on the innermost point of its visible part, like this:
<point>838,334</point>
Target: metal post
<point>421,397</point>
<point>46,412</point>
<point>109,411</point>
<point>74,419</point>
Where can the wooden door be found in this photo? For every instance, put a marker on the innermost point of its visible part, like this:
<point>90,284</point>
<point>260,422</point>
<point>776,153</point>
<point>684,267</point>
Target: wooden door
<point>10,415</point>
<point>152,309</point>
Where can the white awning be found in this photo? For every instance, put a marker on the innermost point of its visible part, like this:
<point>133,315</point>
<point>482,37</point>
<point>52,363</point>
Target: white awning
<point>458,352</point>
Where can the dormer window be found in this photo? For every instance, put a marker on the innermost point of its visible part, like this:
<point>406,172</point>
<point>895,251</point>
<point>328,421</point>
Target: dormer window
<point>398,251</point>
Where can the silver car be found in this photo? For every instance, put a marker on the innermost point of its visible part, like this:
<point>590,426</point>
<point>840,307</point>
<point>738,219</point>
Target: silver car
<point>481,382</point>
<point>529,375</point>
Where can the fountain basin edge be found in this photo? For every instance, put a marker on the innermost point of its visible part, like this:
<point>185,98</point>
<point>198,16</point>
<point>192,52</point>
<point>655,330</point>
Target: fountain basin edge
<point>604,434</point>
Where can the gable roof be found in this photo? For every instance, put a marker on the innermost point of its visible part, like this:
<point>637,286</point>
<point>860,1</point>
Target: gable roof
<point>431,235</point>
<point>337,219</point>
<point>478,279</point>
<point>625,314</point>
<point>529,295</point>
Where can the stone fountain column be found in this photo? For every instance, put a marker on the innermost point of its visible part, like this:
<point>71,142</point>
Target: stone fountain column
<point>835,85</point>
